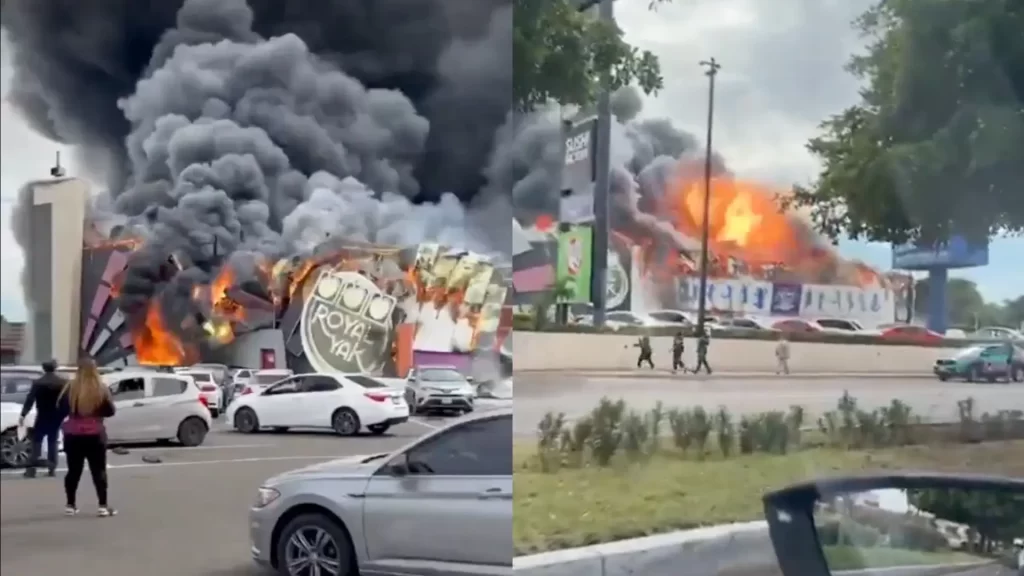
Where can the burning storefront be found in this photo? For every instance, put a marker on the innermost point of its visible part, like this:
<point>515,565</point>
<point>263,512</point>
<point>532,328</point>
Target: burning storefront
<point>347,308</point>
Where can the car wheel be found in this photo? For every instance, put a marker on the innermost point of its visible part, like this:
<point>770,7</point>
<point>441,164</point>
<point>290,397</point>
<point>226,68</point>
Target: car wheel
<point>246,421</point>
<point>943,377</point>
<point>192,431</point>
<point>345,422</point>
<point>214,412</point>
<point>1018,373</point>
<point>378,429</point>
<point>14,453</point>
<point>314,544</point>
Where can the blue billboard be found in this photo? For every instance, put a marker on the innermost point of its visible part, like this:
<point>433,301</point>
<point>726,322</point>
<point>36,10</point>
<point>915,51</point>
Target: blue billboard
<point>955,253</point>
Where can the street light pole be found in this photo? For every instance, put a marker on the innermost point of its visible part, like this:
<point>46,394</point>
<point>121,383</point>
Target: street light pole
<point>712,67</point>
<point>602,185</point>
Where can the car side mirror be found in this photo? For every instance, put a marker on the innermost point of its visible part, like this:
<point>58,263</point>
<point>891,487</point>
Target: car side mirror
<point>849,525</point>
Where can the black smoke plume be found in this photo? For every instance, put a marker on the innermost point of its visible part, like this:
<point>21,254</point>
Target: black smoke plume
<point>223,126</point>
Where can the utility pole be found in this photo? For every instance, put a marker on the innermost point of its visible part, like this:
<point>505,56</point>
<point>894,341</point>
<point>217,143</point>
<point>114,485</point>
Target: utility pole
<point>599,259</point>
<point>712,67</point>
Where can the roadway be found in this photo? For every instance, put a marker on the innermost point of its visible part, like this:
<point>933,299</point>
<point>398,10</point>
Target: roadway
<point>184,515</point>
<point>538,393</point>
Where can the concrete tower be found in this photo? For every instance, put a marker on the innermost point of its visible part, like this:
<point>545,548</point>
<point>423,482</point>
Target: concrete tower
<point>54,266</point>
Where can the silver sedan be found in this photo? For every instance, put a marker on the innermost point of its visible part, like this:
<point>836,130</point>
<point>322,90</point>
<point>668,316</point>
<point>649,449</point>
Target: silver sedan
<point>442,504</point>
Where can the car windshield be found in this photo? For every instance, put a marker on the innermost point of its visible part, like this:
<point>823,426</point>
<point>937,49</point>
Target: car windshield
<point>441,375</point>
<point>969,352</point>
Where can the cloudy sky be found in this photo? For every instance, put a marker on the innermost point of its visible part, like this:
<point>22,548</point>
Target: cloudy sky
<point>782,74</point>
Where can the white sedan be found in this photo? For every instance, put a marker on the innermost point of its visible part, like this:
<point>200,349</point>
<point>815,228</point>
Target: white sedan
<point>345,403</point>
<point>14,451</point>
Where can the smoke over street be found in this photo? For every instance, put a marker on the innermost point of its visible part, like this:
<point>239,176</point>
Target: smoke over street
<point>237,133</point>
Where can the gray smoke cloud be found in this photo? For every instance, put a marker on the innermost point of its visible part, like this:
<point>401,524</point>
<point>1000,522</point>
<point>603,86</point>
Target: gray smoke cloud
<point>226,127</point>
<point>645,156</point>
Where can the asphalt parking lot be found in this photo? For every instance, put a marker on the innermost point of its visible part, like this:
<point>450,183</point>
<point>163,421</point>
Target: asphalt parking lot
<point>185,515</point>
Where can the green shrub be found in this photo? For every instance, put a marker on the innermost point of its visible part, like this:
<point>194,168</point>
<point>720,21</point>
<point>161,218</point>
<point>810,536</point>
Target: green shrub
<point>679,424</point>
<point>636,432</point>
<point>701,426</point>
<point>606,438</point>
<point>726,431</point>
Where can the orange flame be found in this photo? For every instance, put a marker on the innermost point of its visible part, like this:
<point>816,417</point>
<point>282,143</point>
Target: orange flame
<point>155,345</point>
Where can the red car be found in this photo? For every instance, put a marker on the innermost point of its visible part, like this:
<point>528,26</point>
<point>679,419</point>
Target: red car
<point>795,325</point>
<point>911,334</point>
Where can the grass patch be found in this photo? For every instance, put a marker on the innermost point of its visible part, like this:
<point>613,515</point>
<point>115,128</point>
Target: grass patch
<point>578,506</point>
<point>853,558</point>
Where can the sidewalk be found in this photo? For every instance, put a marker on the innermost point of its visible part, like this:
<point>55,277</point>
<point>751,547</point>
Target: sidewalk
<point>665,373</point>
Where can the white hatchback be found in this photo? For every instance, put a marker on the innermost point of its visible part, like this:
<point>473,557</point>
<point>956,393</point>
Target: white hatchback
<point>156,406</point>
<point>208,389</point>
<point>345,403</point>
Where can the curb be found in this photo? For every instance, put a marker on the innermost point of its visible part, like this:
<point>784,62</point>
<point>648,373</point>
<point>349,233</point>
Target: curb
<point>662,374</point>
<point>698,552</point>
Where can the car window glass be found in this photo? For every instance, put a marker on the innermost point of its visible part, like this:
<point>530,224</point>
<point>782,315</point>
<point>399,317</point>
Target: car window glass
<point>477,448</point>
<point>16,384</point>
<point>200,376</point>
<point>289,386</point>
<point>168,387</point>
<point>366,381</point>
<point>440,375</point>
<point>319,384</point>
<point>128,389</point>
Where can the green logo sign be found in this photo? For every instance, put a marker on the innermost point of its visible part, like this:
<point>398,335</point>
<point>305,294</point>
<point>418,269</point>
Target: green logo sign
<point>574,266</point>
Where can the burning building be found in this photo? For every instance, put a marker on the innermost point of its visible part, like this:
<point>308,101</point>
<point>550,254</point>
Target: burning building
<point>346,306</point>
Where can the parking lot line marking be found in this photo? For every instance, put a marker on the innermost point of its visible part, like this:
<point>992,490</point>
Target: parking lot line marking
<point>424,424</point>
<point>183,448</point>
<point>321,458</point>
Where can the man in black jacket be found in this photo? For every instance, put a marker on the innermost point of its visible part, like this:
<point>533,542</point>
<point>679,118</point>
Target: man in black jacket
<point>44,395</point>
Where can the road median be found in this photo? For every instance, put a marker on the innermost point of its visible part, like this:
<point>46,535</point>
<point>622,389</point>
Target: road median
<point>554,351</point>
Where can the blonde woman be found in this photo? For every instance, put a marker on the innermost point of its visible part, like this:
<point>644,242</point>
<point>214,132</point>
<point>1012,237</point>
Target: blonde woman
<point>86,402</point>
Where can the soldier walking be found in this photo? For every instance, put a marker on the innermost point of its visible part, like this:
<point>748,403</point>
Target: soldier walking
<point>678,346</point>
<point>646,354</point>
<point>703,341</point>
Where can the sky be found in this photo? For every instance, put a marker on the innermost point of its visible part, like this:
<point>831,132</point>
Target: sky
<point>782,74</point>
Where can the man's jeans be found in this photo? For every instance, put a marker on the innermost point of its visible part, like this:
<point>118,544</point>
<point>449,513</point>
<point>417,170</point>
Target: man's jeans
<point>50,433</point>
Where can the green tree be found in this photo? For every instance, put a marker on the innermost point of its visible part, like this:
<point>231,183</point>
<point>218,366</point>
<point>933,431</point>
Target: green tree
<point>995,516</point>
<point>967,308</point>
<point>561,54</point>
<point>934,148</point>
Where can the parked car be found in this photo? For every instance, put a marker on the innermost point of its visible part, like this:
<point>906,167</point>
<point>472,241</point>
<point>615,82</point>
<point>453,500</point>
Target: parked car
<point>744,324</point>
<point>151,406</point>
<point>261,379</point>
<point>838,325</point>
<point>911,334</point>
<point>996,333</point>
<point>209,390</point>
<point>671,317</point>
<point>345,403</point>
<point>14,451</point>
<point>982,362</point>
<point>443,501</point>
<point>439,389</point>
<point>15,382</point>
<point>156,406</point>
<point>795,325</point>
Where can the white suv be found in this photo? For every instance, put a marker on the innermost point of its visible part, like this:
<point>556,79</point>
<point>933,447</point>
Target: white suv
<point>439,389</point>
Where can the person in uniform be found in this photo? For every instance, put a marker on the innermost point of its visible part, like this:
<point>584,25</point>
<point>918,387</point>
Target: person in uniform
<point>703,342</point>
<point>678,346</point>
<point>646,354</point>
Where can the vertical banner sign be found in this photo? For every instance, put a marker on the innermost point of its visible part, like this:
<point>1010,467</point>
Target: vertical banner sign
<point>578,169</point>
<point>573,273</point>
